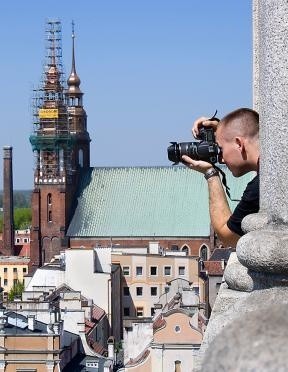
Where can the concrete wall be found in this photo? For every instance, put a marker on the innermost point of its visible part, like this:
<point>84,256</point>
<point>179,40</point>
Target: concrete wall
<point>81,276</point>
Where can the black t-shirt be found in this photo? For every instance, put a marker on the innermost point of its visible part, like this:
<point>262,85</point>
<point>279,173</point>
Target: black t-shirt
<point>248,204</point>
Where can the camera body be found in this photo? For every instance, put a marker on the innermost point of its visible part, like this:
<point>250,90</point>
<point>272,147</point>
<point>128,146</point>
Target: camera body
<point>206,149</point>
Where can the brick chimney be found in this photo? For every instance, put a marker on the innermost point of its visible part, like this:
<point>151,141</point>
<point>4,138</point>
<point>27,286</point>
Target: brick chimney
<point>8,222</point>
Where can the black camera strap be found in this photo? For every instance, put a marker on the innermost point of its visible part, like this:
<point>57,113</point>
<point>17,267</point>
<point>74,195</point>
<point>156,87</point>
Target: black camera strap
<point>224,182</point>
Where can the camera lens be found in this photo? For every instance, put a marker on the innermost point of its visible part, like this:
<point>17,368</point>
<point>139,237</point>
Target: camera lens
<point>173,152</point>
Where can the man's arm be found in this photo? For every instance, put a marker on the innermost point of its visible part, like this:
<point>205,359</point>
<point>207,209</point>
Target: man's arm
<point>220,212</point>
<point>218,205</point>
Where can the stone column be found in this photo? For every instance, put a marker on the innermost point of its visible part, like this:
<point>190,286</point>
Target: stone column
<point>264,251</point>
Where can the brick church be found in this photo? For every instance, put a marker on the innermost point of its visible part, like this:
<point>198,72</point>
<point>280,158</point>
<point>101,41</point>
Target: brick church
<point>76,205</point>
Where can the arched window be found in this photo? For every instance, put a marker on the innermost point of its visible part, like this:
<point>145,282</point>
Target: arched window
<point>185,249</point>
<point>203,253</point>
<point>177,366</point>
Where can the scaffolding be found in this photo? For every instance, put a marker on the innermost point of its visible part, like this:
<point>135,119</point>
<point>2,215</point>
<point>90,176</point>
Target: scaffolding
<point>51,139</point>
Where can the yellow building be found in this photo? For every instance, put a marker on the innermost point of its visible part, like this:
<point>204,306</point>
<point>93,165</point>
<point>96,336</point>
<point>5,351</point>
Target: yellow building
<point>12,270</point>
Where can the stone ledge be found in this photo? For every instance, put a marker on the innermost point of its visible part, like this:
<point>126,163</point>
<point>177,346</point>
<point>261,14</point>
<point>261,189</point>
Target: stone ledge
<point>231,305</point>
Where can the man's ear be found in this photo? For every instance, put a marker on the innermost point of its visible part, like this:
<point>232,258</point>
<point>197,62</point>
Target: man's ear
<point>240,143</point>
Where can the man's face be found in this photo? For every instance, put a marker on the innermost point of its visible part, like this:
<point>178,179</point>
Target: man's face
<point>231,151</point>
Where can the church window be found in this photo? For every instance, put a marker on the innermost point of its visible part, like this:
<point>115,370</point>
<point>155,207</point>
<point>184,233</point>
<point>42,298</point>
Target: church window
<point>204,253</point>
<point>185,249</point>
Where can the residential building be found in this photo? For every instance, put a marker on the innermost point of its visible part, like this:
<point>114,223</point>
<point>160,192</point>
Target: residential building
<point>12,270</point>
<point>28,345</point>
<point>171,339</point>
<point>147,274</point>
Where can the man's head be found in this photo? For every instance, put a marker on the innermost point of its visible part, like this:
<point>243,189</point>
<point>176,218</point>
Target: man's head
<point>237,136</point>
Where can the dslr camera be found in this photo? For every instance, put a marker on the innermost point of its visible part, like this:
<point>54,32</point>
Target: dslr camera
<point>206,149</point>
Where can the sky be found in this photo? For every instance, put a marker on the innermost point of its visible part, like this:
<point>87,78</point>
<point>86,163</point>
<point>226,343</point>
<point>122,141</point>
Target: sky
<point>148,69</point>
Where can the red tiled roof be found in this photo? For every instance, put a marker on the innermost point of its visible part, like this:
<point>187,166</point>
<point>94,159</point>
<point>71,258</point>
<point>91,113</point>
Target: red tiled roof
<point>158,323</point>
<point>88,326</point>
<point>214,268</point>
<point>140,358</point>
<point>97,313</point>
<point>98,348</point>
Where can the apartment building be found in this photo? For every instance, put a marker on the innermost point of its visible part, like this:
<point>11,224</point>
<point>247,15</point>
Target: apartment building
<point>12,270</point>
<point>147,274</point>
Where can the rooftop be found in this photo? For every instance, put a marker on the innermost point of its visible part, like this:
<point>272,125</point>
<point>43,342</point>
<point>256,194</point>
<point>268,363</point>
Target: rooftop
<point>146,202</point>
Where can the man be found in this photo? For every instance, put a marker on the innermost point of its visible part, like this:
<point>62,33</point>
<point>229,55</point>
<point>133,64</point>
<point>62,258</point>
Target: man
<point>237,136</point>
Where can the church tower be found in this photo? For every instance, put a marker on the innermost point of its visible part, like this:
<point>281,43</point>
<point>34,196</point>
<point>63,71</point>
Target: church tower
<point>60,143</point>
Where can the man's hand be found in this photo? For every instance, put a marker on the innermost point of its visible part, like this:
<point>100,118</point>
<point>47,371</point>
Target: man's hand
<point>198,165</point>
<point>203,122</point>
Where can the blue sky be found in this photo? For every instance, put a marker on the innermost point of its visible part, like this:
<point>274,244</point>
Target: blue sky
<point>148,68</point>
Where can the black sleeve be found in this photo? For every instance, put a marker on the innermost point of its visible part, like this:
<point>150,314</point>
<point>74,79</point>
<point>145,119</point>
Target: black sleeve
<point>248,204</point>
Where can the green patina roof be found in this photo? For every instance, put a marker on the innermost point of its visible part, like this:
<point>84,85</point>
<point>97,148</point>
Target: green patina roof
<point>145,202</point>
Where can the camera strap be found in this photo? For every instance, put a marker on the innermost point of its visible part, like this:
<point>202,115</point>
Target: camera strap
<point>224,182</point>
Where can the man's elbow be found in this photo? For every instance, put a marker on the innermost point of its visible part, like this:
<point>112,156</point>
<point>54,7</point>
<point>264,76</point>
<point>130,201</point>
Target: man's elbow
<point>228,238</point>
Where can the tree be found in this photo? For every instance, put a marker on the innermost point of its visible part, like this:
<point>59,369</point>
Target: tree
<point>22,218</point>
<point>17,290</point>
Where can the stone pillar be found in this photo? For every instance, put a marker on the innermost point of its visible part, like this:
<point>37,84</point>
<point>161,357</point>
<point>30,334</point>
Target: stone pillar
<point>263,252</point>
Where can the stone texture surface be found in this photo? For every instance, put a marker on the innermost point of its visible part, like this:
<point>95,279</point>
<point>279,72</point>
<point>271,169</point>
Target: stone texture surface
<point>264,251</point>
<point>272,31</point>
<point>256,343</point>
<point>237,277</point>
<point>232,305</point>
<point>254,221</point>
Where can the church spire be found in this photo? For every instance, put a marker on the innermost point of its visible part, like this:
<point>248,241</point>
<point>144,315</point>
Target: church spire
<point>73,80</point>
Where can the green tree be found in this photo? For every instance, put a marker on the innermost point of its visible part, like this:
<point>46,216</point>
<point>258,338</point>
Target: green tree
<point>22,218</point>
<point>17,290</point>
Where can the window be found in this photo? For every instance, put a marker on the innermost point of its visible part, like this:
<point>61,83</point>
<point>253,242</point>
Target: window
<point>25,240</point>
<point>153,291</point>
<point>181,270</point>
<point>196,290</point>
<point>167,289</point>
<point>139,311</point>
<point>126,311</point>
<point>177,328</point>
<point>185,249</point>
<point>49,199</point>
<point>15,281</point>
<point>126,291</point>
<point>139,270</point>
<point>49,216</point>
<point>17,240</point>
<point>152,311</point>
<point>139,291</point>
<point>204,252</point>
<point>14,269</point>
<point>24,270</point>
<point>5,282</point>
<point>5,269</point>
<point>167,270</point>
<point>153,270</point>
<point>126,270</point>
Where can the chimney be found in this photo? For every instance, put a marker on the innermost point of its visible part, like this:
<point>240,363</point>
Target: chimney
<point>31,322</point>
<point>110,343</point>
<point>8,224</point>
